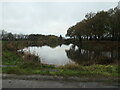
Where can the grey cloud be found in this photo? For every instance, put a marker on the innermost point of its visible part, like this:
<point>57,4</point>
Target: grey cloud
<point>46,18</point>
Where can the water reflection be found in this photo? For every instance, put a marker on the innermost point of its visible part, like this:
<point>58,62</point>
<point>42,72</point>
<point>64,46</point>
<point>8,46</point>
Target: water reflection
<point>88,57</point>
<point>67,54</point>
<point>49,55</point>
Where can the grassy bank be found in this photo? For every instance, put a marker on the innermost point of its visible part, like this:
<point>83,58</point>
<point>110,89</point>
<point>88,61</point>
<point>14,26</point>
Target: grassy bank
<point>68,70</point>
<point>30,64</point>
<point>10,58</point>
<point>100,45</point>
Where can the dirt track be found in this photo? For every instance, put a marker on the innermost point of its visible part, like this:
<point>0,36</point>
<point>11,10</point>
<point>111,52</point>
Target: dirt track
<point>38,81</point>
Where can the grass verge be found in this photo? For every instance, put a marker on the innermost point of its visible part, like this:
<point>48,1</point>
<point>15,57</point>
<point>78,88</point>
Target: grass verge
<point>26,64</point>
<point>89,71</point>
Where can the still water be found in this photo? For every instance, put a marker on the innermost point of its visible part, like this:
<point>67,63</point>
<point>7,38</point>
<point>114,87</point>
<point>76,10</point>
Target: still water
<point>55,56</point>
<point>68,54</point>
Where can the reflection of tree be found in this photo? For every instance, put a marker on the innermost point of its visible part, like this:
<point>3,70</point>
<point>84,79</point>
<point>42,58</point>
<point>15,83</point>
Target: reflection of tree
<point>53,45</point>
<point>78,55</point>
<point>86,57</point>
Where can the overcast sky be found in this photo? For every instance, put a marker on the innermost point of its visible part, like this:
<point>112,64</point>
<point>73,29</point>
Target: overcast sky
<point>47,17</point>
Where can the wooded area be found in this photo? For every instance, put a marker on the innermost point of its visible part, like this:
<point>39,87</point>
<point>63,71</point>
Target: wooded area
<point>103,25</point>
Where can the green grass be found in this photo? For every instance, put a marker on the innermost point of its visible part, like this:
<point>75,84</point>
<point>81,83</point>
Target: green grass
<point>10,58</point>
<point>30,66</point>
<point>89,71</point>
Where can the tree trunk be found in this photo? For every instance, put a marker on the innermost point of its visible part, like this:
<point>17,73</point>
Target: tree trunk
<point>80,40</point>
<point>95,37</point>
<point>98,37</point>
<point>90,37</point>
<point>87,37</point>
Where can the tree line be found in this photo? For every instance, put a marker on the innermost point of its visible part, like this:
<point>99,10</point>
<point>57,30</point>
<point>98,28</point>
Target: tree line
<point>103,25</point>
<point>31,37</point>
